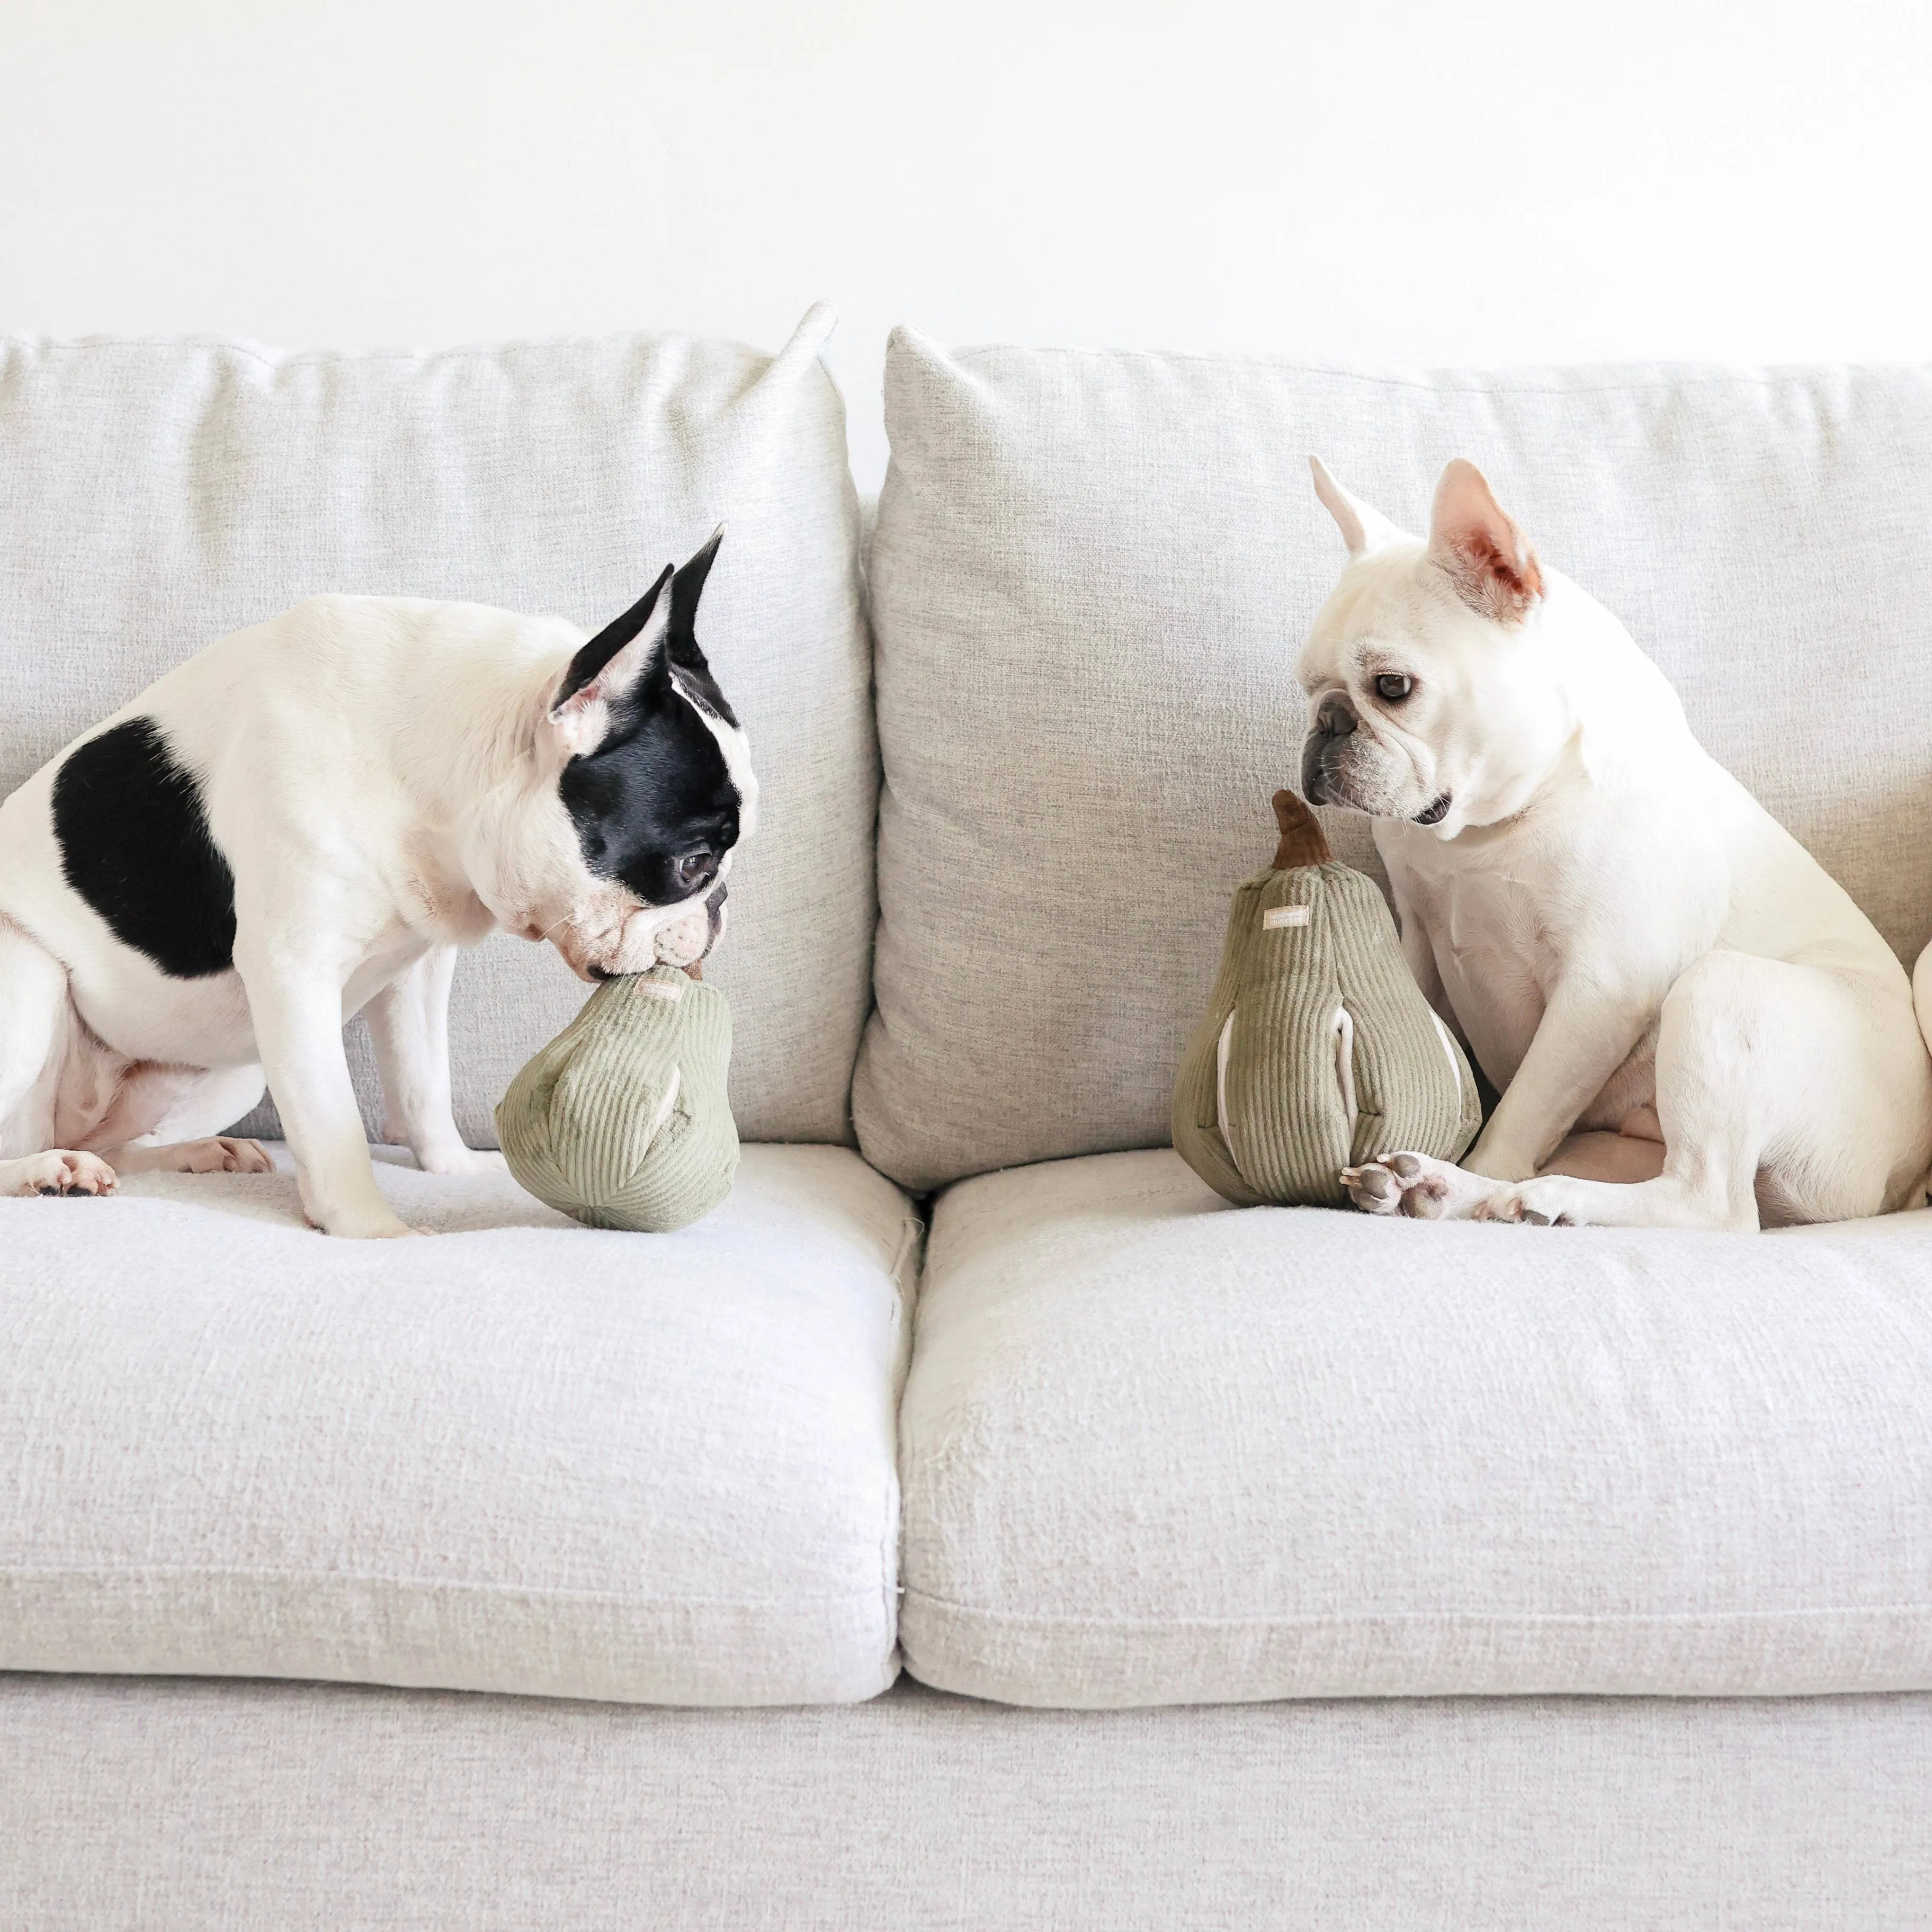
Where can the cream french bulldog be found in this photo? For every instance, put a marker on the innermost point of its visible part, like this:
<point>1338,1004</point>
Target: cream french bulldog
<point>1690,1023</point>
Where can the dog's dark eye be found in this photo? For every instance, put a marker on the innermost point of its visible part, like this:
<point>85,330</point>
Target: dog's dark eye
<point>1394,686</point>
<point>694,869</point>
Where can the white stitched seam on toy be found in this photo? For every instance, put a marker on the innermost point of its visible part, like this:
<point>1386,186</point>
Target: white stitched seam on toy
<point>662,989</point>
<point>664,1106</point>
<point>1449,1054</point>
<point>1280,916</point>
<point>1345,1064</point>
<point>1222,1048</point>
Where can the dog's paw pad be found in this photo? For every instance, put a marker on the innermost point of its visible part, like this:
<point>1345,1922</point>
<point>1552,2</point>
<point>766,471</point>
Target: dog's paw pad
<point>1427,1198</point>
<point>1401,1183</point>
<point>1373,1188</point>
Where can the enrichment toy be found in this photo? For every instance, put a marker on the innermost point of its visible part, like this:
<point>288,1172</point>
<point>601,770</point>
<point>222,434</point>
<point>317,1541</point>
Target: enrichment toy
<point>622,1120</point>
<point>1318,1050</point>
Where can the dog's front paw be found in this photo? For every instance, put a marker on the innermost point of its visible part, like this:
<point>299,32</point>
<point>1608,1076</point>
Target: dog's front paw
<point>373,1223</point>
<point>462,1160</point>
<point>1403,1183</point>
<point>59,1170</point>
<point>394,1229</point>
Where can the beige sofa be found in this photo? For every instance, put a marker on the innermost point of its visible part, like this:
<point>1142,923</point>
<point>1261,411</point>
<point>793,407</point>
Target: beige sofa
<point>1101,1555</point>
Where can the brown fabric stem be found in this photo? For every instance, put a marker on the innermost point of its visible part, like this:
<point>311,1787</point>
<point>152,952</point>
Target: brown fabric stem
<point>1303,840</point>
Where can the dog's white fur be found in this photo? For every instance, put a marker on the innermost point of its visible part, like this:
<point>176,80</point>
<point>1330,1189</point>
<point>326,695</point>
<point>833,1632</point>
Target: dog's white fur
<point>1691,1024</point>
<point>382,775</point>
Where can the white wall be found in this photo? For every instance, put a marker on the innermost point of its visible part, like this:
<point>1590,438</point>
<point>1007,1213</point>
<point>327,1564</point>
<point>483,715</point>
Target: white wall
<point>1383,180</point>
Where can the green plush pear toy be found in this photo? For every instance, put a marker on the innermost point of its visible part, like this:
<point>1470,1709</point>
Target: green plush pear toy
<point>622,1120</point>
<point>1318,1050</point>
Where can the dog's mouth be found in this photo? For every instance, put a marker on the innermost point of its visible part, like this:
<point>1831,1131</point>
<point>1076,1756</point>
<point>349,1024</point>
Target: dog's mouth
<point>686,942</point>
<point>1436,813</point>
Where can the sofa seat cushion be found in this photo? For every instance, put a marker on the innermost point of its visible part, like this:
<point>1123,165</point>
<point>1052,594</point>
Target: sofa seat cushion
<point>520,1456</point>
<point>1157,1450</point>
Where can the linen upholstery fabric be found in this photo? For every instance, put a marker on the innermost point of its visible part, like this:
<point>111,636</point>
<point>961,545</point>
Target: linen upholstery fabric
<point>522,1456</point>
<point>154,496</point>
<point>1091,575</point>
<point>197,1807</point>
<point>1158,1450</point>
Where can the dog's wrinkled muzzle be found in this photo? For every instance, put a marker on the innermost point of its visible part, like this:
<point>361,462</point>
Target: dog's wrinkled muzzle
<point>1328,736</point>
<point>687,941</point>
<point>1335,722</point>
<point>635,941</point>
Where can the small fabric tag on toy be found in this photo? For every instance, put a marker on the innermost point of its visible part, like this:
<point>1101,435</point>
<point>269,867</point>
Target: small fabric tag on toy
<point>662,989</point>
<point>1277,916</point>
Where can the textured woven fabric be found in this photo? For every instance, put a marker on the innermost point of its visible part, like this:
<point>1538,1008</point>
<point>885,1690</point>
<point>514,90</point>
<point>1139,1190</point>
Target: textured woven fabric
<point>622,1120</point>
<point>252,1808</point>
<point>1156,1449</point>
<point>1317,1050</point>
<point>154,496</point>
<point>521,1456</point>
<point>1092,573</point>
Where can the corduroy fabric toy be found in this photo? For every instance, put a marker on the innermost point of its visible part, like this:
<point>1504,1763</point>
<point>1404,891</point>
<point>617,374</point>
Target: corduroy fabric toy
<point>622,1120</point>
<point>1318,1050</point>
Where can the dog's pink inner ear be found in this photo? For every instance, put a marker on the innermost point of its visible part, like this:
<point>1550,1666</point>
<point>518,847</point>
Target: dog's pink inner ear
<point>1482,547</point>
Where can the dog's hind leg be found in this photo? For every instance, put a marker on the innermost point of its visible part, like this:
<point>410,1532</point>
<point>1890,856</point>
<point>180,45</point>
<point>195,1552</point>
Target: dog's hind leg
<point>1427,1189</point>
<point>215,1153</point>
<point>409,1027</point>
<point>208,1104</point>
<point>1807,1088</point>
<point>185,1138</point>
<point>37,1026</point>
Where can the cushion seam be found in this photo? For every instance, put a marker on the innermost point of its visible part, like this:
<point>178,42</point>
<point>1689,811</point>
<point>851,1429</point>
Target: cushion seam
<point>163,1572</point>
<point>1056,1620</point>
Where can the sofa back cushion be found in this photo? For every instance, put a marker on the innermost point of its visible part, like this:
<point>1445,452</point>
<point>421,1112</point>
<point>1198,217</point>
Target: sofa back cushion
<point>1092,573</point>
<point>154,496</point>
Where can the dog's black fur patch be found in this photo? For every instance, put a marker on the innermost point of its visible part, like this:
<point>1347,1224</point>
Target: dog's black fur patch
<point>135,845</point>
<point>657,791</point>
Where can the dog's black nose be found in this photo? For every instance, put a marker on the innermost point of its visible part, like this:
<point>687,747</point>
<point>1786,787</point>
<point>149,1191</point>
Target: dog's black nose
<point>1335,716</point>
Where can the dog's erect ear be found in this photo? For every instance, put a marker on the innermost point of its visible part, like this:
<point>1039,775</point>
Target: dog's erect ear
<point>687,660</point>
<point>1482,546</point>
<point>1362,529</point>
<point>687,586</point>
<point>622,662</point>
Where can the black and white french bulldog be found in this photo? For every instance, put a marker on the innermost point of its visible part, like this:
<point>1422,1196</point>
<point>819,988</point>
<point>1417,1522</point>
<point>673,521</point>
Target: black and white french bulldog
<point>303,822</point>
